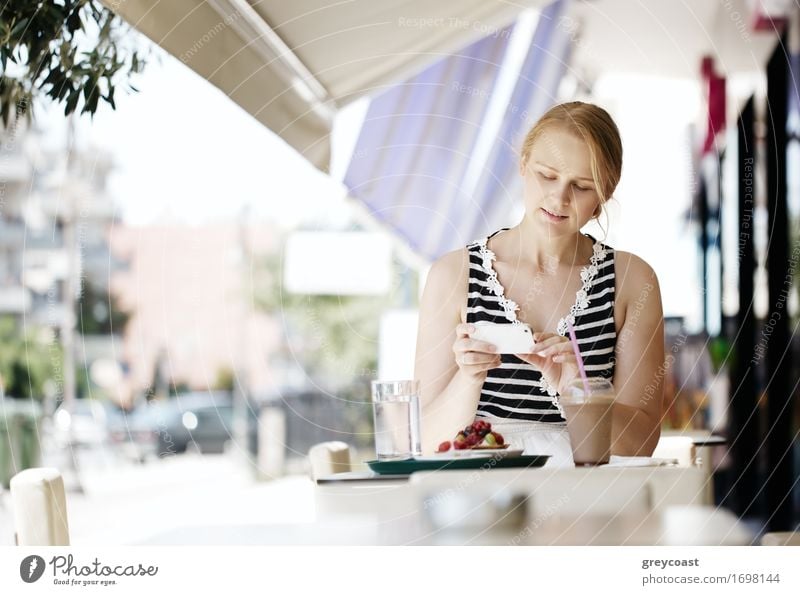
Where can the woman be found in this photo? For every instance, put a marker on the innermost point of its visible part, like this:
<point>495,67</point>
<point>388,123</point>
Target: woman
<point>543,272</point>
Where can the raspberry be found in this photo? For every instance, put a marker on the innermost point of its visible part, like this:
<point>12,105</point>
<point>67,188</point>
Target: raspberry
<point>460,444</point>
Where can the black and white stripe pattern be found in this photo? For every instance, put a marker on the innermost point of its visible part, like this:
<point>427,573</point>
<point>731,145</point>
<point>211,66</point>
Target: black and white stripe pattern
<point>516,390</point>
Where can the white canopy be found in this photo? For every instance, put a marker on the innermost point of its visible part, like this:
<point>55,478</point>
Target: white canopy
<point>292,64</point>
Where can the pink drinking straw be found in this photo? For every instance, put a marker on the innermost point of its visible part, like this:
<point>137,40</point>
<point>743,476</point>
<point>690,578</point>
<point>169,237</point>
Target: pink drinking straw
<point>574,341</point>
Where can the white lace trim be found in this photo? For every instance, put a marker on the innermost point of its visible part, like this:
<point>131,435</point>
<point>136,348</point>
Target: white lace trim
<point>588,273</point>
<point>509,306</point>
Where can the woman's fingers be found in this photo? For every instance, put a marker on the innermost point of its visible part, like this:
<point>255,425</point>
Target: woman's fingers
<point>464,329</point>
<point>559,348</point>
<point>531,358</point>
<point>494,363</point>
<point>467,344</point>
<point>474,357</point>
<point>542,336</point>
<point>539,359</point>
<point>548,343</point>
<point>564,358</point>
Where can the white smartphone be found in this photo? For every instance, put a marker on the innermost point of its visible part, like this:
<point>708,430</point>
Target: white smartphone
<point>508,338</point>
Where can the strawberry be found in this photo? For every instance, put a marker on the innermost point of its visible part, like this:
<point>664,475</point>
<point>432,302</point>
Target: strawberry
<point>498,438</point>
<point>444,446</point>
<point>460,444</point>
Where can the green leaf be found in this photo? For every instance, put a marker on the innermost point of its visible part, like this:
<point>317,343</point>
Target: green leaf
<point>110,98</point>
<point>19,27</point>
<point>48,40</point>
<point>72,102</point>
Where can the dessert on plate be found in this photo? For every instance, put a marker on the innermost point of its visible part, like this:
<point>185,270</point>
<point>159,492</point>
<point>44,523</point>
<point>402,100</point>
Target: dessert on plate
<point>476,436</point>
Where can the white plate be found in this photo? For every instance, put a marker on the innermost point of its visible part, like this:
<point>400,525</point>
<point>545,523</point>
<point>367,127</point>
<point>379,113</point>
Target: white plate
<point>619,461</point>
<point>484,452</point>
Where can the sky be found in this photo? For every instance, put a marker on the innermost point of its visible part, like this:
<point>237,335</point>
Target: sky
<point>185,153</point>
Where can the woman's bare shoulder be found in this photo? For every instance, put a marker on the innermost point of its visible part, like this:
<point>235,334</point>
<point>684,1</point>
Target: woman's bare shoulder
<point>634,276</point>
<point>448,278</point>
<point>450,269</point>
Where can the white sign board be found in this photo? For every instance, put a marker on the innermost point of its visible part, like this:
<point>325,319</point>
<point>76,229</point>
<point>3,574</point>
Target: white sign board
<point>338,263</point>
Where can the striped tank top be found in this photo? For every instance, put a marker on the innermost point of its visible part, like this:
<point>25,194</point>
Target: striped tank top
<point>516,390</point>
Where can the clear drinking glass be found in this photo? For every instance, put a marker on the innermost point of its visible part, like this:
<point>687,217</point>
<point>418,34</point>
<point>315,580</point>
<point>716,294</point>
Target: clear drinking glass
<point>397,419</point>
<point>589,416</point>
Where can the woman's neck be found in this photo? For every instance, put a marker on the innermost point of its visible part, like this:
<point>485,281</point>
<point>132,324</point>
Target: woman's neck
<point>526,242</point>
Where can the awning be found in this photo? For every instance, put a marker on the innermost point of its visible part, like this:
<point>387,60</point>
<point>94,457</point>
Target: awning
<point>437,157</point>
<point>293,64</point>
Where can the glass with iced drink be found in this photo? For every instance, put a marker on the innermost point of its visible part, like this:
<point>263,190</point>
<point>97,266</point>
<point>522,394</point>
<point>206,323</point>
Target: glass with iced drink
<point>397,419</point>
<point>587,407</point>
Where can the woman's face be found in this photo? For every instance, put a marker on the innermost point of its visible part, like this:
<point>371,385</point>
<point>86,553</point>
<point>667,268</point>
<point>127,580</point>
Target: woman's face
<point>560,194</point>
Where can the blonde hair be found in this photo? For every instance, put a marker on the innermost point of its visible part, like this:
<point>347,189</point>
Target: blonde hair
<point>596,127</point>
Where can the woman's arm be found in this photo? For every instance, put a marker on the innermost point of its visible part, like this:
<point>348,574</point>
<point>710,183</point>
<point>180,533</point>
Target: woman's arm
<point>449,396</point>
<point>639,370</point>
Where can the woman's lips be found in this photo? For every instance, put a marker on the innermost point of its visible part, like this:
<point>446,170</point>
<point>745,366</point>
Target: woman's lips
<point>552,217</point>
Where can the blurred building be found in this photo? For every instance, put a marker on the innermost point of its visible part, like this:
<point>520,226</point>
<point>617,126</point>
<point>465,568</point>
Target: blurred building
<point>42,191</point>
<point>188,291</point>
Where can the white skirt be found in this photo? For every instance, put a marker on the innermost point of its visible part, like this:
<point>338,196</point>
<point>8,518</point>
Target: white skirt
<point>537,438</point>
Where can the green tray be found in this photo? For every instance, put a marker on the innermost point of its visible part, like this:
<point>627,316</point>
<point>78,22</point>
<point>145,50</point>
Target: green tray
<point>406,466</point>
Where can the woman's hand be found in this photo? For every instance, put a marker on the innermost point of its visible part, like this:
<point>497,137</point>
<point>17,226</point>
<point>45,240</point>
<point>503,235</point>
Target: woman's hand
<point>474,358</point>
<point>553,356</point>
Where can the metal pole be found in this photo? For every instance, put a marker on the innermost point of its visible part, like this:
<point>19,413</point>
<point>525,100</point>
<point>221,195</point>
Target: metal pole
<point>744,418</point>
<point>241,386</point>
<point>780,393</point>
<point>70,302</point>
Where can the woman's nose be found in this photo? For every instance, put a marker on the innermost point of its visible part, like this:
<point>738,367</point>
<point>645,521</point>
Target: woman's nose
<point>564,194</point>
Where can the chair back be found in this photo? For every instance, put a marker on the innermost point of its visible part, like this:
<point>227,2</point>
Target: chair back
<point>328,458</point>
<point>40,507</point>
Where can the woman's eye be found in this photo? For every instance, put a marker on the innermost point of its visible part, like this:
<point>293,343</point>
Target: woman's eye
<point>547,176</point>
<point>581,188</point>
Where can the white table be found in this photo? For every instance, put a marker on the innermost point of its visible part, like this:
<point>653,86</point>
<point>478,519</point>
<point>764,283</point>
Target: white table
<point>604,490</point>
<point>670,526</point>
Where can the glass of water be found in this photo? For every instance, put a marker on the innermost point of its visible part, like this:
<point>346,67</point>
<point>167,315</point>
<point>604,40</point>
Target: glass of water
<point>396,410</point>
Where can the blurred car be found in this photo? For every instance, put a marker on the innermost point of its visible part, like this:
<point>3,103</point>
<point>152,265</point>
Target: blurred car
<point>191,421</point>
<point>85,424</point>
<point>135,433</point>
<point>200,421</point>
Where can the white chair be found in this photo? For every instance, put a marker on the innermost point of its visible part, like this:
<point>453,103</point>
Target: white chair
<point>676,447</point>
<point>781,538</point>
<point>40,507</point>
<point>328,458</point>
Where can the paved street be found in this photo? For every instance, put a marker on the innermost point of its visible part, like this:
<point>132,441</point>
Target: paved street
<point>125,503</point>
